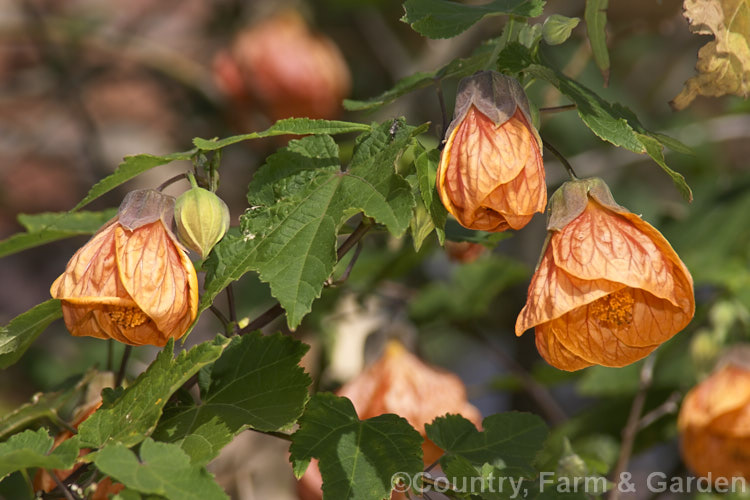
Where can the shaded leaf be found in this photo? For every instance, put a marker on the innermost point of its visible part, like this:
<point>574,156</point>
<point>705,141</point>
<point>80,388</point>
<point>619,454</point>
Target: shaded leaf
<point>256,383</point>
<point>131,415</point>
<point>446,19</point>
<point>357,458</point>
<point>23,330</point>
<point>288,126</point>
<point>595,16</point>
<point>512,439</point>
<point>34,449</point>
<point>162,469</point>
<point>299,199</point>
<point>724,63</point>
<point>48,227</point>
<point>130,167</point>
<point>427,163</point>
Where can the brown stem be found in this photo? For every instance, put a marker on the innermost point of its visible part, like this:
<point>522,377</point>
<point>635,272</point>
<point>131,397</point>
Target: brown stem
<point>562,159</point>
<point>632,425</point>
<point>232,309</point>
<point>171,181</point>
<point>220,316</point>
<point>65,491</point>
<point>443,113</point>
<point>557,109</point>
<point>552,410</point>
<point>123,365</point>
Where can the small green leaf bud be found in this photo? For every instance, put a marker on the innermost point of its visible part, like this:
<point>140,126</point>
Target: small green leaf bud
<point>202,219</point>
<point>557,28</point>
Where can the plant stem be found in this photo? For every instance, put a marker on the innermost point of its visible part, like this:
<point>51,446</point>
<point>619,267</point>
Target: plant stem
<point>65,491</point>
<point>443,114</point>
<point>171,181</point>
<point>562,159</point>
<point>557,109</point>
<point>232,309</point>
<point>123,365</point>
<point>632,425</point>
<point>220,316</point>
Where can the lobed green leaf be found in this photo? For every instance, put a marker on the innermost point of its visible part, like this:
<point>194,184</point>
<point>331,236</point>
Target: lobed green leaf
<point>162,469</point>
<point>131,415</point>
<point>256,383</point>
<point>446,19</point>
<point>23,330</point>
<point>357,458</point>
<point>34,449</point>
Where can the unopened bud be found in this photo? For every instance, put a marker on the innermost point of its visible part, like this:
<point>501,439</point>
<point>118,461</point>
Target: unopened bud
<point>558,28</point>
<point>202,219</point>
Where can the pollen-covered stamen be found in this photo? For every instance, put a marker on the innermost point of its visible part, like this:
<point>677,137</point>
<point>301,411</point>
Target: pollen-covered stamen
<point>127,317</point>
<point>613,311</point>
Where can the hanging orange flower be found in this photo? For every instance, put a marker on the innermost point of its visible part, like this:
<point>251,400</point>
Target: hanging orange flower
<point>132,281</point>
<point>491,175</point>
<point>609,288</point>
<point>401,383</point>
<point>714,424</point>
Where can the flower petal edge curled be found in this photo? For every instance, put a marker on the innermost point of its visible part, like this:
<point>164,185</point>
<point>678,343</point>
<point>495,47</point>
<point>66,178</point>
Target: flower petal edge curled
<point>132,281</point>
<point>609,288</point>
<point>491,175</point>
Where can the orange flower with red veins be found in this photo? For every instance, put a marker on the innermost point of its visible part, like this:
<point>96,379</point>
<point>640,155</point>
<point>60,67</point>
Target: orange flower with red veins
<point>132,281</point>
<point>609,288</point>
<point>401,383</point>
<point>491,175</point>
<point>714,424</point>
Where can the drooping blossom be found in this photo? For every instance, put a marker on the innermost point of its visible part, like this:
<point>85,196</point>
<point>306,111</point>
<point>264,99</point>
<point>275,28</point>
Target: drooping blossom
<point>491,175</point>
<point>609,288</point>
<point>132,281</point>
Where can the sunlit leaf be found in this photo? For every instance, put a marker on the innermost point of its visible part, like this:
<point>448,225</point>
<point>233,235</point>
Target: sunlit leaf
<point>34,449</point>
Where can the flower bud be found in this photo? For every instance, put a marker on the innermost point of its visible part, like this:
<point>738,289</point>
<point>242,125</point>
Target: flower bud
<point>202,219</point>
<point>558,28</point>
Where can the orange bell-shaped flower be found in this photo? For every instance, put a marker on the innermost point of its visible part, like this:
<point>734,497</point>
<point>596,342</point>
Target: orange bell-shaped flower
<point>400,383</point>
<point>132,281</point>
<point>714,424</point>
<point>609,288</point>
<point>491,175</point>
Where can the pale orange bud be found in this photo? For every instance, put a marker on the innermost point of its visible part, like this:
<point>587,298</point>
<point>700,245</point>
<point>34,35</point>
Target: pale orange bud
<point>609,288</point>
<point>491,175</point>
<point>714,424</point>
<point>401,383</point>
<point>281,66</point>
<point>464,251</point>
<point>132,281</point>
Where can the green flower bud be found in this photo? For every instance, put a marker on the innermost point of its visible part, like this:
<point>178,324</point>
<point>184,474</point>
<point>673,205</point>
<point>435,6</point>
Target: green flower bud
<point>557,28</point>
<point>202,219</point>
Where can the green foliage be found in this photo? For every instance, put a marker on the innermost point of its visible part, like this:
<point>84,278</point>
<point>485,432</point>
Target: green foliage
<point>446,19</point>
<point>34,449</point>
<point>299,200</point>
<point>256,383</point>
<point>595,16</point>
<point>129,416</point>
<point>23,330</point>
<point>49,227</point>
<point>161,468</point>
<point>357,458</point>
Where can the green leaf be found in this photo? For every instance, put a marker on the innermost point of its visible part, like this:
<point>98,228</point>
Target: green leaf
<point>162,469</point>
<point>288,126</point>
<point>511,438</point>
<point>256,383</point>
<point>34,449</point>
<point>299,199</point>
<point>357,458</point>
<point>655,150</point>
<point>43,405</point>
<point>427,163</point>
<point>130,167</point>
<point>595,16</point>
<point>130,416</point>
<point>23,330</point>
<point>446,19</point>
<point>557,28</point>
<point>48,227</point>
<point>457,68</point>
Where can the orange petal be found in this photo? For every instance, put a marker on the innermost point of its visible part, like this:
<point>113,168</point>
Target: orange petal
<point>553,293</point>
<point>555,353</point>
<point>601,244</point>
<point>479,158</point>
<point>727,390</point>
<point>159,277</point>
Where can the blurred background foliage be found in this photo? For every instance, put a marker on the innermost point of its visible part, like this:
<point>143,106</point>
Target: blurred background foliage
<point>83,83</point>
